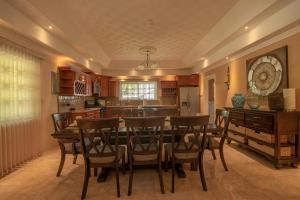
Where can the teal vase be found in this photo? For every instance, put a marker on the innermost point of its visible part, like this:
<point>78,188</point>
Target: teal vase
<point>238,101</point>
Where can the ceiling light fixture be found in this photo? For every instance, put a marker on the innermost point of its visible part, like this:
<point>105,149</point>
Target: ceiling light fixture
<point>147,64</point>
<point>50,27</point>
<point>246,27</point>
<point>91,59</point>
<point>227,58</point>
<point>202,58</point>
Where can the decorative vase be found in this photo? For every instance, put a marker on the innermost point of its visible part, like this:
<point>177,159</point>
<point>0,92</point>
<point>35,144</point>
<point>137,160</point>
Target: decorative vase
<point>253,101</point>
<point>276,101</point>
<point>238,101</point>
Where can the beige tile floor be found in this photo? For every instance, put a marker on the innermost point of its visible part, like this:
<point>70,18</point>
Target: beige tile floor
<point>250,177</point>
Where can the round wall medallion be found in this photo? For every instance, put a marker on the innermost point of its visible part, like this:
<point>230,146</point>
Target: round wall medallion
<point>265,75</point>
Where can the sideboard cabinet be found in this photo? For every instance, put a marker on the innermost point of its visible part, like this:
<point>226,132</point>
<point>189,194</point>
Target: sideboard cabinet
<point>272,134</point>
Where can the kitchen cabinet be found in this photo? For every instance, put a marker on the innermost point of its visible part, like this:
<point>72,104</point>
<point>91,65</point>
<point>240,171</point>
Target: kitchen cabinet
<point>104,86</point>
<point>188,80</point>
<point>168,88</point>
<point>74,82</point>
<point>112,88</point>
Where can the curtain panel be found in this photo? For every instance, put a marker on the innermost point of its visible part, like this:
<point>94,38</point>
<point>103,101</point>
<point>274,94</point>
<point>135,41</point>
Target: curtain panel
<point>20,107</point>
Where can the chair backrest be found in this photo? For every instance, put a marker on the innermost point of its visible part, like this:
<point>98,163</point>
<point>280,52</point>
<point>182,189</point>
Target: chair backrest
<point>185,126</point>
<point>143,133</point>
<point>61,121</point>
<point>96,137</point>
<point>221,115</point>
<point>227,120</point>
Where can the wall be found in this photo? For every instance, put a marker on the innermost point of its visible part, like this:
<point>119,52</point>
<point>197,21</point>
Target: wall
<point>238,73</point>
<point>49,104</point>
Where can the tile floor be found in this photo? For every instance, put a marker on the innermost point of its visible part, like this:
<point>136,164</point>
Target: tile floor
<point>250,177</point>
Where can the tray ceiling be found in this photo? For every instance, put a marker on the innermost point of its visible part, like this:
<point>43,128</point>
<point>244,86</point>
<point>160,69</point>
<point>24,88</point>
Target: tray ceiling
<point>122,27</point>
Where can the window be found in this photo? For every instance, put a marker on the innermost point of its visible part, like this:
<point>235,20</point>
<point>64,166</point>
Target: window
<point>19,84</point>
<point>138,90</point>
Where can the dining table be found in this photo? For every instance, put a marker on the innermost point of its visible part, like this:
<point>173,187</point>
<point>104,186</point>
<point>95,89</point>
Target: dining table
<point>72,132</point>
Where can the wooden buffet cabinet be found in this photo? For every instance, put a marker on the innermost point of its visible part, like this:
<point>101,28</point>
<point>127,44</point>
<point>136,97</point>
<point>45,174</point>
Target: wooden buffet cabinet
<point>272,134</point>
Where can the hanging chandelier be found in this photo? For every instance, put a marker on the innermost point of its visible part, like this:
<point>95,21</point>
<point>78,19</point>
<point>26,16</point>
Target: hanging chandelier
<point>147,64</point>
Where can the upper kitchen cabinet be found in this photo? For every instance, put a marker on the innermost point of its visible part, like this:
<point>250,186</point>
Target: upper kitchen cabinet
<point>104,86</point>
<point>74,82</point>
<point>188,80</point>
<point>112,88</point>
<point>168,88</point>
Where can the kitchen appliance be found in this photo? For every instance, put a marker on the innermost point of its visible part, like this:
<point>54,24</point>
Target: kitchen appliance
<point>189,101</point>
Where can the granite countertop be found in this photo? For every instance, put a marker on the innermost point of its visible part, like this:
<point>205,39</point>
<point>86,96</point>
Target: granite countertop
<point>146,106</point>
<point>85,110</point>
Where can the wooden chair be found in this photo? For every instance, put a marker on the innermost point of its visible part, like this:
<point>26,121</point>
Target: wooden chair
<point>100,147</point>
<point>183,150</point>
<point>67,145</point>
<point>144,144</point>
<point>217,138</point>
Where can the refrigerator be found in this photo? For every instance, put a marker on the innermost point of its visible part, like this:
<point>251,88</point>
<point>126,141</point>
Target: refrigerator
<point>189,98</point>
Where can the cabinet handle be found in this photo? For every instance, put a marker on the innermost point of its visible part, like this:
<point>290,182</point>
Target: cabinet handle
<point>256,117</point>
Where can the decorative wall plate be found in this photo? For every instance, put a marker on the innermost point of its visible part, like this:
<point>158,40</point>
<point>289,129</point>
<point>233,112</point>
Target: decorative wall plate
<point>267,74</point>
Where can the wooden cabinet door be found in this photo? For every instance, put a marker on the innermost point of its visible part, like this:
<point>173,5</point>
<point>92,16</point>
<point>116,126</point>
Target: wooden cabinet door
<point>104,86</point>
<point>112,88</point>
<point>191,80</point>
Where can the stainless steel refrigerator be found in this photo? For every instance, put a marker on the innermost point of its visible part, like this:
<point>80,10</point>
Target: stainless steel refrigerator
<point>189,101</point>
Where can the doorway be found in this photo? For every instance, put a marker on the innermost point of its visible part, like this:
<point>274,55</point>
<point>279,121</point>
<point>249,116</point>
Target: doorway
<point>210,96</point>
<point>211,100</point>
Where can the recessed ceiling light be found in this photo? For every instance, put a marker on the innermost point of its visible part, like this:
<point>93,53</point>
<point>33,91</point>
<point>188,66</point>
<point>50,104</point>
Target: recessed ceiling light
<point>91,59</point>
<point>227,58</point>
<point>246,27</point>
<point>202,58</point>
<point>50,27</point>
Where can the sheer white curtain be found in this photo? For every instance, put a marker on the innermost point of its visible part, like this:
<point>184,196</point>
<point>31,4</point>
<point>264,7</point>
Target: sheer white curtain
<point>20,106</point>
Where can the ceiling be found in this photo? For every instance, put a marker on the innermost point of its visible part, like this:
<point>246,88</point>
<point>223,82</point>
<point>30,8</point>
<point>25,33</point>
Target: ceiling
<point>122,27</point>
<point>183,31</point>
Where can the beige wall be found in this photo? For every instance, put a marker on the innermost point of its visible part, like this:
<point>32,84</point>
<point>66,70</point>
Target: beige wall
<point>238,72</point>
<point>49,104</point>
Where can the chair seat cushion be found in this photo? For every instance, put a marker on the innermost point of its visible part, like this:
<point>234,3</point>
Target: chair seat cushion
<point>183,155</point>
<point>107,159</point>
<point>140,155</point>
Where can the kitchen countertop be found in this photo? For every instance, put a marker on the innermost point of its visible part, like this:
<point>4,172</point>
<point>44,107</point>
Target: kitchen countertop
<point>146,106</point>
<point>85,110</point>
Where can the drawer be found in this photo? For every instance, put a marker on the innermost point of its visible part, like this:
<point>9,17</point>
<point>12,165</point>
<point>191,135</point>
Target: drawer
<point>259,126</point>
<point>266,137</point>
<point>284,151</point>
<point>236,137</point>
<point>237,128</point>
<point>237,115</point>
<point>262,118</point>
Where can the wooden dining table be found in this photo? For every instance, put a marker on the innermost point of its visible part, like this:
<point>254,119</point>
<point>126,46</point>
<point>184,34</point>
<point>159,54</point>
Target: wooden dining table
<point>72,132</point>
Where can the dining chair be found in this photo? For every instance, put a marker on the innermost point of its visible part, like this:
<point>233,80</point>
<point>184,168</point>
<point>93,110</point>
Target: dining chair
<point>99,140</point>
<point>67,145</point>
<point>183,150</point>
<point>217,137</point>
<point>144,144</point>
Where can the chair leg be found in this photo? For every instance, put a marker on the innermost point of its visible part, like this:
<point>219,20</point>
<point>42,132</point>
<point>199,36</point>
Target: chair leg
<point>221,150</point>
<point>213,153</point>
<point>123,165</point>
<point>130,179</point>
<point>95,171</point>
<point>117,180</point>
<point>85,181</point>
<point>62,158</point>
<point>173,175</point>
<point>161,182</point>
<point>201,171</point>
<point>75,158</point>
<point>166,160</point>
